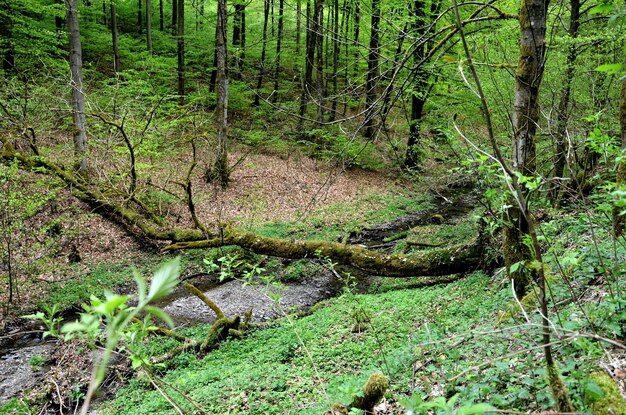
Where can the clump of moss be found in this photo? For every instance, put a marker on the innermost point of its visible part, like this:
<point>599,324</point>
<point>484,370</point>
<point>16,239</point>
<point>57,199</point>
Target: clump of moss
<point>373,391</point>
<point>612,403</point>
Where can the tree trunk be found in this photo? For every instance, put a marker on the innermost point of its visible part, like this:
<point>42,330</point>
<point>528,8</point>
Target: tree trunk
<point>213,80</point>
<point>149,25</point>
<point>619,220</point>
<point>175,17</point>
<point>259,83</point>
<point>319,39</point>
<point>528,78</point>
<point>238,33</point>
<point>308,65</point>
<point>420,86</point>
<point>372,72</point>
<point>560,152</point>
<point>220,168</point>
<point>180,15</point>
<point>298,24</point>
<point>281,5</point>
<point>114,37</point>
<point>161,18</point>
<point>357,32</point>
<point>76,83</point>
<point>336,52</point>
<point>139,18</point>
<point>6,36</point>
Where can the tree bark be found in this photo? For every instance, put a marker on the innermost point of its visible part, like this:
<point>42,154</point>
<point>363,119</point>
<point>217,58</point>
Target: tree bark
<point>308,65</point>
<point>619,220</point>
<point>319,42</point>
<point>220,168</point>
<point>139,18</point>
<point>161,18</point>
<point>6,36</point>
<point>76,84</point>
<point>560,152</point>
<point>114,37</point>
<point>372,72</point>
<point>528,78</point>
<point>149,25</point>
<point>180,24</point>
<point>336,52</point>
<point>298,24</point>
<point>281,5</point>
<point>175,17</point>
<point>259,82</point>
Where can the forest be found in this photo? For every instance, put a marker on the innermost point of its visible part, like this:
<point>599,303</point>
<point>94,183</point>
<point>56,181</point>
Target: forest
<point>313,207</point>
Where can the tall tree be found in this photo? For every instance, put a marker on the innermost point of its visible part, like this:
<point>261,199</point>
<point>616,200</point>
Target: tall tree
<point>281,7</point>
<point>528,77</point>
<point>239,35</point>
<point>180,33</point>
<point>220,169</point>
<point>114,37</point>
<point>336,51</point>
<point>308,65</point>
<point>149,25</point>
<point>175,17</point>
<point>259,83</point>
<point>298,24</point>
<point>76,83</point>
<point>139,18</point>
<point>161,18</point>
<point>372,71</point>
<point>560,152</point>
<point>319,43</point>
<point>6,35</point>
<point>619,219</point>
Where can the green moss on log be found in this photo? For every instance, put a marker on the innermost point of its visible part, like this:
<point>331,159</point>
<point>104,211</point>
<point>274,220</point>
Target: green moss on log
<point>612,403</point>
<point>373,392</point>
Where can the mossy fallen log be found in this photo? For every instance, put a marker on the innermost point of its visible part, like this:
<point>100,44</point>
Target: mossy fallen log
<point>433,262</point>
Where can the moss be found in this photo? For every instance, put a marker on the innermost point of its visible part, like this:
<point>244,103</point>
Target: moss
<point>559,391</point>
<point>373,391</point>
<point>612,403</point>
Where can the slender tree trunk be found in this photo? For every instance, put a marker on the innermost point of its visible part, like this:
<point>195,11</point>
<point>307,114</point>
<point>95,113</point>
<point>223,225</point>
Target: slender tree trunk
<point>319,38</point>
<point>308,65</point>
<point>281,5</point>
<point>259,83</point>
<point>357,33</point>
<point>238,37</point>
<point>528,78</point>
<point>149,25</point>
<point>175,17</point>
<point>76,83</point>
<point>114,37</point>
<point>372,72</point>
<point>213,80</point>
<point>345,27</point>
<point>180,14</point>
<point>161,18</point>
<point>139,18</point>
<point>220,168</point>
<point>619,220</point>
<point>6,36</point>
<point>58,20</point>
<point>420,86</point>
<point>336,52</point>
<point>272,15</point>
<point>298,24</point>
<point>560,152</point>
<point>104,13</point>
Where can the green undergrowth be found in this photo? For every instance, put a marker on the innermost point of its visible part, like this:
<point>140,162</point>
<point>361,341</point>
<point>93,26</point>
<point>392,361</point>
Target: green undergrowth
<point>338,221</point>
<point>306,365</point>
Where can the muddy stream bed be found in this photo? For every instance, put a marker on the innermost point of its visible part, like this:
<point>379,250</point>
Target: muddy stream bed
<point>20,353</point>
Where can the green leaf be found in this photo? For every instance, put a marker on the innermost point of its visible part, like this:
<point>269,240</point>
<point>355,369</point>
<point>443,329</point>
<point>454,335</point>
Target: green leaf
<point>593,391</point>
<point>164,280</point>
<point>141,285</point>
<point>610,68</point>
<point>160,314</point>
<point>479,408</point>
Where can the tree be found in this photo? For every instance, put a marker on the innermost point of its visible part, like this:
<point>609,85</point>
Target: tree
<point>619,218</point>
<point>180,36</point>
<point>372,72</point>
<point>76,85</point>
<point>6,36</point>
<point>259,83</point>
<point>114,37</point>
<point>149,25</point>
<point>220,169</point>
<point>528,76</point>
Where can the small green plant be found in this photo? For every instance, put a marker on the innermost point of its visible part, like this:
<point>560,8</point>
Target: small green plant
<point>36,362</point>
